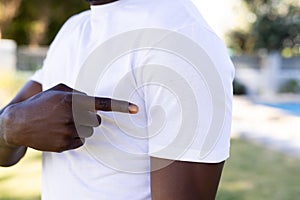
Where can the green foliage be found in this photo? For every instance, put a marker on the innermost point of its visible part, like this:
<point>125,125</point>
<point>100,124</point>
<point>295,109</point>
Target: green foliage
<point>276,27</point>
<point>291,86</point>
<point>37,22</point>
<point>254,172</point>
<point>238,88</point>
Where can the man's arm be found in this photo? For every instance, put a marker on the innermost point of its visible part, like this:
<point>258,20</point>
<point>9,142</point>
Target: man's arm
<point>177,180</point>
<point>9,154</point>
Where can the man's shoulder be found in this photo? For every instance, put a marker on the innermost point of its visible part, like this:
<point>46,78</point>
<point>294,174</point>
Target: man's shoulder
<point>77,18</point>
<point>72,24</point>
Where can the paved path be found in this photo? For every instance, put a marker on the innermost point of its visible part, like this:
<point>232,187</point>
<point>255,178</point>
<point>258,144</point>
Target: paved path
<point>266,126</point>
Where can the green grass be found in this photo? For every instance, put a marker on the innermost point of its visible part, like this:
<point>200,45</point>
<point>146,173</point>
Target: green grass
<point>23,180</point>
<point>254,172</point>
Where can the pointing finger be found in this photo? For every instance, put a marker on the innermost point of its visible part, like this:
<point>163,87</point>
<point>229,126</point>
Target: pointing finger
<point>103,104</point>
<point>107,104</point>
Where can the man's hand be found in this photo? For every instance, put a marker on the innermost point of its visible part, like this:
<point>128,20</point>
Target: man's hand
<point>56,120</point>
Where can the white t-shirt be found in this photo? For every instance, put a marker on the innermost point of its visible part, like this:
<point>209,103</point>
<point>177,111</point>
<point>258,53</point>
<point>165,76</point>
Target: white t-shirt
<point>160,55</point>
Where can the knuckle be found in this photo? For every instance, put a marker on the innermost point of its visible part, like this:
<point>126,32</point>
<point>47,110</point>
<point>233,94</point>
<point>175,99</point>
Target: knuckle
<point>8,138</point>
<point>94,120</point>
<point>8,115</point>
<point>85,132</point>
<point>105,103</point>
<point>7,124</point>
<point>90,132</point>
<point>67,98</point>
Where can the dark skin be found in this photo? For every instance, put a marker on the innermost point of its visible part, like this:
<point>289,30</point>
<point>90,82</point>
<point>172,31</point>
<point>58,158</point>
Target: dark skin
<point>45,120</point>
<point>184,180</point>
<point>100,2</point>
<point>26,120</point>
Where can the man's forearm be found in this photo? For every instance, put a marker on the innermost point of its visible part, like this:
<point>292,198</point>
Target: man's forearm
<point>9,154</point>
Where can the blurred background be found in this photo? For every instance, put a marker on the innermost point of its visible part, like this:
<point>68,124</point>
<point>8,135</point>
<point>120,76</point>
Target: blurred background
<point>263,39</point>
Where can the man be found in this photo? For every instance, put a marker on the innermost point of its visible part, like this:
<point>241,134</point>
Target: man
<point>156,153</point>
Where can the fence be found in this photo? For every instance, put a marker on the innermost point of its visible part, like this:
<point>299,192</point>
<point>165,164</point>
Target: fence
<point>266,74</point>
<point>30,59</point>
<point>21,58</point>
<point>8,57</point>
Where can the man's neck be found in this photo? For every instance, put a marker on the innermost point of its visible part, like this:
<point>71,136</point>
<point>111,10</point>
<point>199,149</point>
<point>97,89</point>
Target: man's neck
<point>101,2</point>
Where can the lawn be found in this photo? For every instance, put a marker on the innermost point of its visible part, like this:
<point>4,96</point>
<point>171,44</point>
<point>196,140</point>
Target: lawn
<point>252,172</point>
<point>22,181</point>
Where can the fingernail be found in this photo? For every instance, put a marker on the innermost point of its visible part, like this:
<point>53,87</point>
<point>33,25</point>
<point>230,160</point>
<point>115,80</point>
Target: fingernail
<point>133,109</point>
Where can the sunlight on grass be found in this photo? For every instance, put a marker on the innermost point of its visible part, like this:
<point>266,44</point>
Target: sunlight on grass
<point>23,180</point>
<point>238,186</point>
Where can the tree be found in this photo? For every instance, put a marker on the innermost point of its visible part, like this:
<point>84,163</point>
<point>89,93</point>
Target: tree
<point>8,10</point>
<point>276,26</point>
<point>37,22</point>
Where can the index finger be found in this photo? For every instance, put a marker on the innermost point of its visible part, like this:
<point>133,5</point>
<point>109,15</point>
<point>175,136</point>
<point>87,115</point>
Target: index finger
<point>108,104</point>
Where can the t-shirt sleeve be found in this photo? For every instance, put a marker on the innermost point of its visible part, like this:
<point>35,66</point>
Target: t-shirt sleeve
<point>188,95</point>
<point>38,76</point>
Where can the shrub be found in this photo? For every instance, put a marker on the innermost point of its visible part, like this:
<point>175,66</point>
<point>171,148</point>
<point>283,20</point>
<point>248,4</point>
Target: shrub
<point>290,86</point>
<point>239,88</point>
